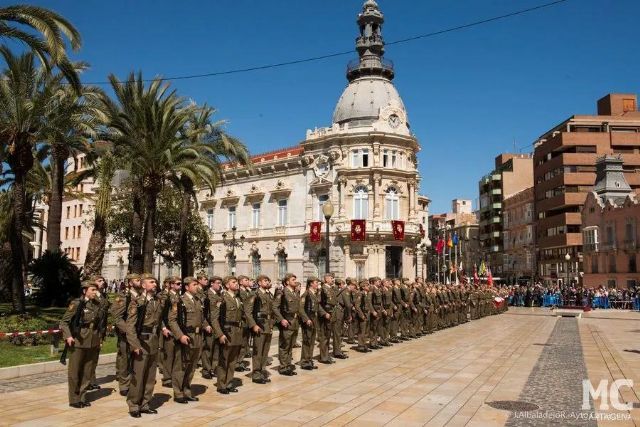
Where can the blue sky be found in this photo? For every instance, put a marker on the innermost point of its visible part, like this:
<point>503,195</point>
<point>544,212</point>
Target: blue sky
<point>470,94</point>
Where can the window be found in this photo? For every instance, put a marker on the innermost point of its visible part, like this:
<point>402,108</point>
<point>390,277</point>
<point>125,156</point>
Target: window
<point>594,264</point>
<point>360,203</point>
<point>79,233</point>
<point>321,263</point>
<point>77,253</point>
<point>232,216</point>
<point>68,212</point>
<point>66,232</point>
<point>391,159</point>
<point>360,158</point>
<point>282,265</point>
<point>75,211</point>
<point>255,215</point>
<point>360,271</point>
<point>392,202</point>
<point>394,159</point>
<point>256,268</point>
<point>282,212</point>
<point>385,158</point>
<point>633,267</point>
<point>628,232</point>
<point>210,219</point>
<point>80,210</point>
<point>612,264</point>
<point>322,199</point>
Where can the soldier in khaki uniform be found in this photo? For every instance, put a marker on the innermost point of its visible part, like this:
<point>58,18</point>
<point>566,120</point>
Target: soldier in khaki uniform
<point>363,309</point>
<point>102,300</point>
<point>376,314</point>
<point>310,310</point>
<point>342,312</point>
<point>352,325</point>
<point>84,313</point>
<point>119,310</point>
<point>168,298</point>
<point>244,291</point>
<point>258,311</point>
<point>227,327</point>
<point>325,325</point>
<point>211,349</point>
<point>286,309</point>
<point>187,323</point>
<point>144,321</point>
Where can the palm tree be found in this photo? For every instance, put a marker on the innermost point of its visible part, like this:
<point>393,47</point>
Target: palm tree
<point>146,122</point>
<point>50,48</point>
<point>104,171</point>
<point>214,146</point>
<point>70,128</point>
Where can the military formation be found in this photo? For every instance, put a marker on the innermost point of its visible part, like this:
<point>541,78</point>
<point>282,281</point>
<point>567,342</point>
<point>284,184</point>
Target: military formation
<point>217,324</point>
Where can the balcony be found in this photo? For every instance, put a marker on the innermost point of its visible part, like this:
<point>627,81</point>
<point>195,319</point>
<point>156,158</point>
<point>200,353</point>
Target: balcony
<point>630,244</point>
<point>496,191</point>
<point>496,205</point>
<point>495,234</point>
<point>561,240</point>
<point>496,220</point>
<point>281,230</point>
<point>496,177</point>
<point>561,200</point>
<point>591,247</point>
<point>567,218</point>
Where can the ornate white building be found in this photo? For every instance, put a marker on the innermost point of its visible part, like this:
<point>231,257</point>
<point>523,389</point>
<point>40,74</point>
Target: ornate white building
<point>365,164</point>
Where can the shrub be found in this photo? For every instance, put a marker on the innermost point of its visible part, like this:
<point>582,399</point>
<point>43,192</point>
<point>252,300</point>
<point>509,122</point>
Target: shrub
<point>56,280</point>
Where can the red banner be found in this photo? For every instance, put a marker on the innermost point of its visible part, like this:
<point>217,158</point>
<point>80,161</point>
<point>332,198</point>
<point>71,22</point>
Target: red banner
<point>315,234</point>
<point>398,229</point>
<point>358,229</point>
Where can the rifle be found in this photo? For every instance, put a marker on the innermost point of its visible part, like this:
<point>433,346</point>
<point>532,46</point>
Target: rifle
<point>74,328</point>
<point>141,313</point>
<point>223,319</point>
<point>257,307</point>
<point>308,305</point>
<point>207,308</point>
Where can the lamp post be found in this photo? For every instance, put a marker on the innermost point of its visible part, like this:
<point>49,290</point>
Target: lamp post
<point>427,245</point>
<point>233,243</point>
<point>327,211</point>
<point>567,258</point>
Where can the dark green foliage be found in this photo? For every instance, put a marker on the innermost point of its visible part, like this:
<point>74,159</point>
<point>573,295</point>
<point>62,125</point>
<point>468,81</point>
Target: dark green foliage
<point>55,279</point>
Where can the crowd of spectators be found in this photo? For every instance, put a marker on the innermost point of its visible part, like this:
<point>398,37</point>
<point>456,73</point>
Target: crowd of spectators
<point>537,295</point>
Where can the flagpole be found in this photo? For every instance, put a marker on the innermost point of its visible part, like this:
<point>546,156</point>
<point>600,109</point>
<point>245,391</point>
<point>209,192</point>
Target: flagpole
<point>455,252</point>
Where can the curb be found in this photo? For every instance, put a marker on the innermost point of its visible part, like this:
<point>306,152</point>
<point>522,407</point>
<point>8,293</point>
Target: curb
<point>45,367</point>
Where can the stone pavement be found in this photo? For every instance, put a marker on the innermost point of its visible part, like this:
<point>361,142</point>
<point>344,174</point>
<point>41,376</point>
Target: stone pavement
<point>455,377</point>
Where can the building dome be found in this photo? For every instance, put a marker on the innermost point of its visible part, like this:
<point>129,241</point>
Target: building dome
<point>364,99</point>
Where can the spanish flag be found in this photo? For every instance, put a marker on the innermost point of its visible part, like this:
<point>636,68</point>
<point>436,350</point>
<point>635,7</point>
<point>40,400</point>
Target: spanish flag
<point>450,242</point>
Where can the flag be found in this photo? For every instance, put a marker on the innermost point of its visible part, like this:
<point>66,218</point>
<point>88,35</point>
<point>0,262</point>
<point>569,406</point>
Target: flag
<point>398,230</point>
<point>450,242</point>
<point>315,234</point>
<point>421,231</point>
<point>440,246</point>
<point>490,279</point>
<point>455,238</point>
<point>483,269</point>
<point>358,229</point>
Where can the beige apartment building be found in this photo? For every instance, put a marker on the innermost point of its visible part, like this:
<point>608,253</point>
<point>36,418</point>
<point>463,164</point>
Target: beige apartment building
<point>518,218</point>
<point>565,172</point>
<point>512,173</point>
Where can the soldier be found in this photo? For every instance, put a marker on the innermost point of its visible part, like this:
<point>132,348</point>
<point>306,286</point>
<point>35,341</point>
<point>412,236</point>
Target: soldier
<point>227,325</point>
<point>258,311</point>
<point>325,325</point>
<point>103,300</point>
<point>144,320</point>
<point>286,310</point>
<point>211,349</point>
<point>187,322</point>
<point>244,292</point>
<point>387,313</point>
<point>376,314</point>
<point>79,327</point>
<point>119,310</point>
<point>342,312</point>
<point>363,309</point>
<point>405,318</point>
<point>310,309</point>
<point>168,298</point>
<point>352,325</point>
<point>396,304</point>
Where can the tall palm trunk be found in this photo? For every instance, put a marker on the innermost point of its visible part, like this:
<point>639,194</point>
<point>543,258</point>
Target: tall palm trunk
<point>148,233</point>
<point>135,246</point>
<point>186,262</point>
<point>59,155</point>
<point>98,240</point>
<point>20,160</point>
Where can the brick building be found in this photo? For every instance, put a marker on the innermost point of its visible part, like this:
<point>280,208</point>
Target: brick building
<point>564,172</point>
<point>512,173</point>
<point>610,229</point>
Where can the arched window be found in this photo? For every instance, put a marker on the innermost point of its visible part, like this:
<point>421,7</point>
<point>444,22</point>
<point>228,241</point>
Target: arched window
<point>282,264</point>
<point>392,203</point>
<point>360,203</point>
<point>256,267</point>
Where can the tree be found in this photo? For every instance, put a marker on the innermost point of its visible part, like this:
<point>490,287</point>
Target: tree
<point>50,47</point>
<point>204,170</point>
<point>146,122</point>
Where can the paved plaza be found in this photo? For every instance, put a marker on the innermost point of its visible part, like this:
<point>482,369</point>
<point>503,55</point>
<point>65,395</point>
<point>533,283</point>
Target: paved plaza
<point>526,360</point>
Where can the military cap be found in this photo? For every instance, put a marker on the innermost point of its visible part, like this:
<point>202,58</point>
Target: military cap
<point>227,279</point>
<point>262,277</point>
<point>312,279</point>
<point>96,278</point>
<point>189,280</point>
<point>202,276</point>
<point>287,277</point>
<point>214,278</point>
<point>333,275</point>
<point>147,276</point>
<point>132,276</point>
<point>88,284</point>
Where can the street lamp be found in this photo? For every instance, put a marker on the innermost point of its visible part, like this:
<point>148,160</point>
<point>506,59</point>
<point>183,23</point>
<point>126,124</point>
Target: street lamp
<point>233,243</point>
<point>567,258</point>
<point>327,211</point>
<point>427,245</point>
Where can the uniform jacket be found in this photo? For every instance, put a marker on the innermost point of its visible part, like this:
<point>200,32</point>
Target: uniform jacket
<point>89,336</point>
<point>151,325</point>
<point>227,318</point>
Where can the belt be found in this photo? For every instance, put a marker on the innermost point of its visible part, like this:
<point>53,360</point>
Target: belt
<point>148,329</point>
<point>232,323</point>
<point>90,325</point>
<point>264,316</point>
<point>192,330</point>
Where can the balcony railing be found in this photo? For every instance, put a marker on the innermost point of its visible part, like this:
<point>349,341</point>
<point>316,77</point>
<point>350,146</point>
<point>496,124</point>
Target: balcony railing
<point>630,244</point>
